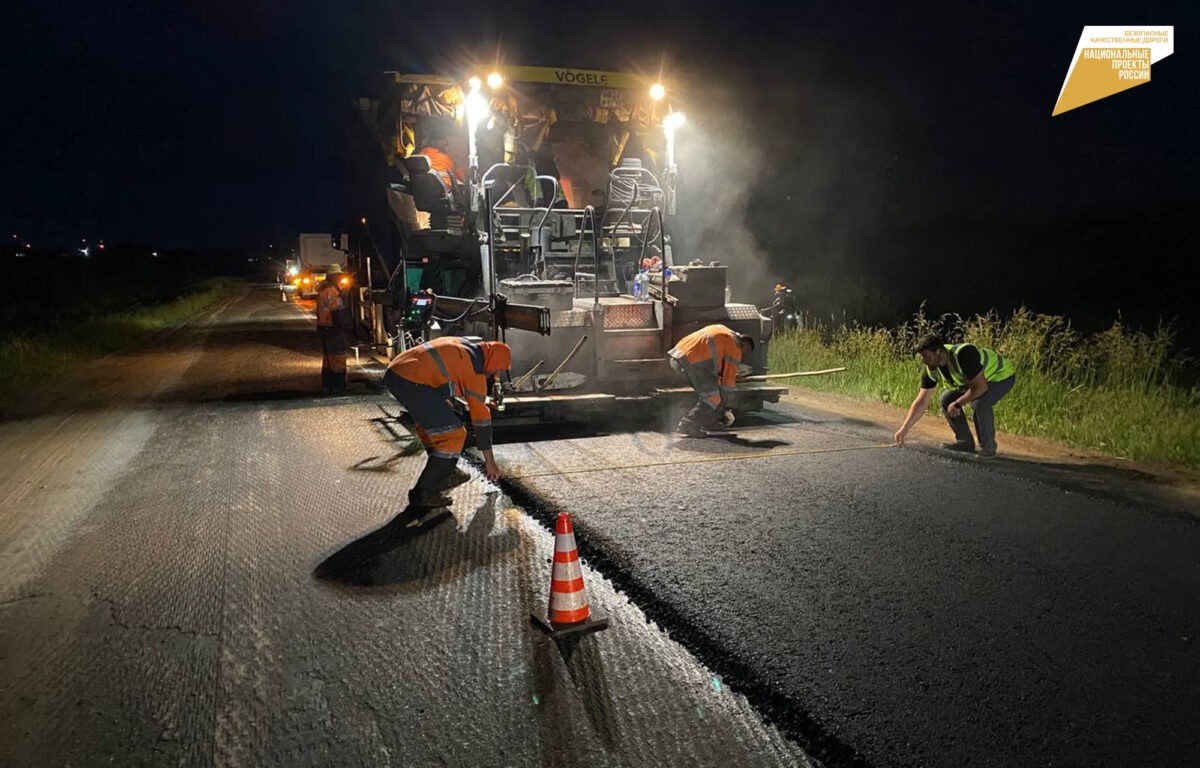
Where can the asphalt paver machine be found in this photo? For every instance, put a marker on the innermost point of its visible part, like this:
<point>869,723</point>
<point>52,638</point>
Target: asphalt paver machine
<point>549,229</point>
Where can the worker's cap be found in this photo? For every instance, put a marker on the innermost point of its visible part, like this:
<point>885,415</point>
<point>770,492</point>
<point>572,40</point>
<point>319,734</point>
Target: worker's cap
<point>496,356</point>
<point>334,269</point>
<point>745,339</point>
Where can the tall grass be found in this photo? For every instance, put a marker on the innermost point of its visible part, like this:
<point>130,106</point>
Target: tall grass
<point>1123,392</point>
<point>30,361</point>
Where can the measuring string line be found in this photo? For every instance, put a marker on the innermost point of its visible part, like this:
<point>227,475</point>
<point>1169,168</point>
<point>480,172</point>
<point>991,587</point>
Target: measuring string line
<point>704,460</point>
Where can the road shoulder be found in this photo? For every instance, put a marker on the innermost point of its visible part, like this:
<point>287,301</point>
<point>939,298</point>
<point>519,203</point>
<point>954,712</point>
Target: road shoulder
<point>1173,490</point>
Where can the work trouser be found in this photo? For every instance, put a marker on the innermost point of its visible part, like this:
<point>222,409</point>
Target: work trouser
<point>985,422</point>
<point>437,426</point>
<point>704,412</point>
<point>333,358</point>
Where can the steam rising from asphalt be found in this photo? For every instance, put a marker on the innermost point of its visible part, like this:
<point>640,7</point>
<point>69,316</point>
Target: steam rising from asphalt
<point>717,172</point>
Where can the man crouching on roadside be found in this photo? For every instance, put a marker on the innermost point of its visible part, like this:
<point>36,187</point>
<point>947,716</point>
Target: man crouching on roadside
<point>973,374</point>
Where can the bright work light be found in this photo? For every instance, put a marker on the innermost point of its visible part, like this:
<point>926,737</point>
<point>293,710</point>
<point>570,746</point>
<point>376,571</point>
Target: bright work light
<point>657,91</point>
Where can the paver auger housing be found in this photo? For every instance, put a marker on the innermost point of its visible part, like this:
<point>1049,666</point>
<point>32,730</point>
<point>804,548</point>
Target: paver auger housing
<point>555,239</point>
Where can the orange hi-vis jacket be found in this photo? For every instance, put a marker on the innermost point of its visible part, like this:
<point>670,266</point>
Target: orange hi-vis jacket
<point>459,367</point>
<point>329,300</point>
<point>713,349</point>
<point>443,165</point>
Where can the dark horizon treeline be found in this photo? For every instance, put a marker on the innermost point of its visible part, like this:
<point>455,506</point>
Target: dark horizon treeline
<point>61,288</point>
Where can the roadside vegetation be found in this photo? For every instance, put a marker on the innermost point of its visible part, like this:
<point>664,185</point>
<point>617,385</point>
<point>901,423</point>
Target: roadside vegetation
<point>32,360</point>
<point>1122,392</point>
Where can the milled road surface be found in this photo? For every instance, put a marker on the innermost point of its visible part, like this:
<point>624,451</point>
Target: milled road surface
<point>196,573</point>
<point>898,607</point>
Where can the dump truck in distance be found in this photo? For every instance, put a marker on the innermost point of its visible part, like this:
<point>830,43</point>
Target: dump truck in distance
<point>316,254</point>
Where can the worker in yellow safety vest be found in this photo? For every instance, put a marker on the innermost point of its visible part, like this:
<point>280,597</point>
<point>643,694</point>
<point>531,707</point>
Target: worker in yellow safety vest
<point>423,380</point>
<point>973,375</point>
<point>330,306</point>
<point>708,359</point>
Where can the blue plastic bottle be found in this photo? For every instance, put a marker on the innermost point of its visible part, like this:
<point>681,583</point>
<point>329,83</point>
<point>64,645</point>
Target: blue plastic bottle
<point>639,286</point>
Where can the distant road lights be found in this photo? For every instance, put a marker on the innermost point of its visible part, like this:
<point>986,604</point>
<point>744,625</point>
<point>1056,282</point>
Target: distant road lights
<point>363,221</point>
<point>657,91</point>
<point>495,80</point>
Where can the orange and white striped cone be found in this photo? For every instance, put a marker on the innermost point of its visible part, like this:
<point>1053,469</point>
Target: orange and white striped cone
<point>569,613</point>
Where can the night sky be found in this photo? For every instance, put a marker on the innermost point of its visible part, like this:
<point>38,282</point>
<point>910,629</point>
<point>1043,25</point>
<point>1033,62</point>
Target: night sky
<point>221,124</point>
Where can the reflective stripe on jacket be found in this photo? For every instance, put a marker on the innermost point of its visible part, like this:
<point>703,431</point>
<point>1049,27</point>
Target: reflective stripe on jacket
<point>329,300</point>
<point>713,348</point>
<point>995,367</point>
<point>457,366</point>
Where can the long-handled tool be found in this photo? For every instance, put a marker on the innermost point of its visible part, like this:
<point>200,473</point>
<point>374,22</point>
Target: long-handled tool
<point>520,382</point>
<point>546,382</point>
<point>769,376</point>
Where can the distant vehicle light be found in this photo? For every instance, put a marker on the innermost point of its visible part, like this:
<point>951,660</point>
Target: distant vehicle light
<point>657,91</point>
<point>291,270</point>
<point>306,281</point>
<point>475,83</point>
<point>495,80</point>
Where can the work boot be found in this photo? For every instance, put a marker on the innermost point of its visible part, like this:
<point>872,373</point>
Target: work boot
<point>690,428</point>
<point>984,453</point>
<point>959,447</point>
<point>428,498</point>
<point>457,477</point>
<point>437,470</point>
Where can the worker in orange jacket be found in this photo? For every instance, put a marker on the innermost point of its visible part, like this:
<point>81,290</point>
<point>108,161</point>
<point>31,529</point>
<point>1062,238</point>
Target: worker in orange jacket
<point>330,328</point>
<point>709,360</point>
<point>423,379</point>
<point>441,163</point>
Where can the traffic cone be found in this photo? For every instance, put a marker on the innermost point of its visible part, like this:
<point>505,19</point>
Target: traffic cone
<point>569,613</point>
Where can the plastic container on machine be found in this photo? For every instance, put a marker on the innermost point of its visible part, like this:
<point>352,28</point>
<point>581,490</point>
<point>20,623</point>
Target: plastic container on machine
<point>639,286</point>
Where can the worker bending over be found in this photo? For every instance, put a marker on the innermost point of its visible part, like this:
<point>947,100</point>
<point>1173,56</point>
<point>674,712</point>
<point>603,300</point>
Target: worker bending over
<point>709,360</point>
<point>423,380</point>
<point>973,374</point>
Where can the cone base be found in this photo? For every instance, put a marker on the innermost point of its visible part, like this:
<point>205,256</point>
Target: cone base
<point>559,631</point>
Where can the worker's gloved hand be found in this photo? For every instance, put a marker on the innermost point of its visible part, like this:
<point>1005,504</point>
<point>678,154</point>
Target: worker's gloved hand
<point>725,417</point>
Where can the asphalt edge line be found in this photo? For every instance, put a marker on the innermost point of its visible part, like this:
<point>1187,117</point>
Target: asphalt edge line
<point>777,709</point>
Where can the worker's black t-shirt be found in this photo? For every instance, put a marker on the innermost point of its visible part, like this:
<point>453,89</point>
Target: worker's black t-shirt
<point>969,362</point>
